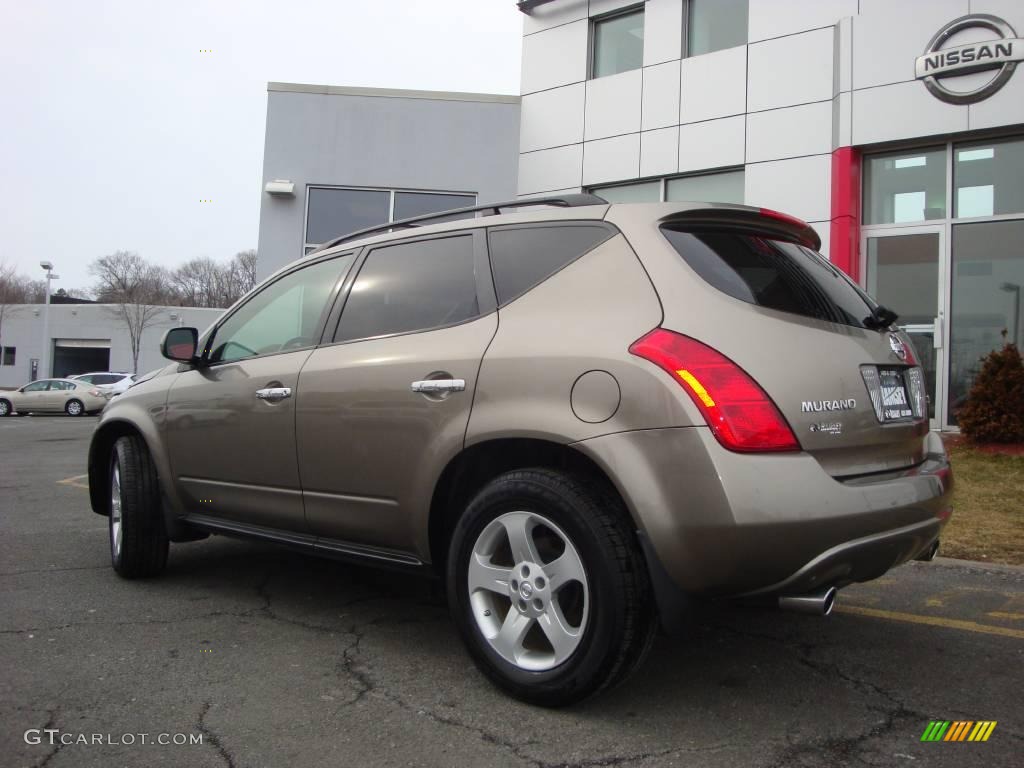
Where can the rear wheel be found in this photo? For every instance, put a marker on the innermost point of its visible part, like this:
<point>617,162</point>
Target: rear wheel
<point>74,408</point>
<point>5,408</point>
<point>138,540</point>
<point>548,587</point>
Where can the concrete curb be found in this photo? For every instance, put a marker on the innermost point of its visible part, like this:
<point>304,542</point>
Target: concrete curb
<point>976,565</point>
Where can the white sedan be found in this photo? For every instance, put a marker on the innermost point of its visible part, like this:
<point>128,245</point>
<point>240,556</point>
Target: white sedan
<point>107,381</point>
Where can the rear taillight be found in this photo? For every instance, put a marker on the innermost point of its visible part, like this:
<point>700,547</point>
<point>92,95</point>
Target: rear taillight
<point>740,414</point>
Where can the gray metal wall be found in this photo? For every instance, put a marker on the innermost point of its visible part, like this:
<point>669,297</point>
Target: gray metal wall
<point>23,329</point>
<point>363,137</point>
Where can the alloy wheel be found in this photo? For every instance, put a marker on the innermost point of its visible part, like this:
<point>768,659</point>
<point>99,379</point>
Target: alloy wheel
<point>528,591</point>
<point>115,510</point>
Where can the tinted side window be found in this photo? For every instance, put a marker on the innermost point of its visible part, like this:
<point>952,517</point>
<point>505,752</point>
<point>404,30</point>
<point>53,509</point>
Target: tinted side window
<point>522,257</point>
<point>283,317</point>
<point>105,378</point>
<point>412,287</point>
<point>773,274</point>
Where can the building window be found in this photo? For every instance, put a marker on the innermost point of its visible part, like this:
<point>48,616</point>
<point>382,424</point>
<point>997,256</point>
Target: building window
<point>905,187</point>
<point>988,178</point>
<point>333,212</point>
<point>618,43</point>
<point>710,187</point>
<point>712,25</point>
<point>644,192</point>
<point>717,187</point>
<point>9,355</point>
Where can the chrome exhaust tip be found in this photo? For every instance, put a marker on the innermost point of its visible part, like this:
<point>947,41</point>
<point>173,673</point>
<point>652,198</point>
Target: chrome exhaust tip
<point>929,554</point>
<point>815,604</point>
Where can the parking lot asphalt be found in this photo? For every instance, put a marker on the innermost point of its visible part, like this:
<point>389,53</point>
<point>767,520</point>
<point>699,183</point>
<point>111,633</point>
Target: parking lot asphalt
<point>277,659</point>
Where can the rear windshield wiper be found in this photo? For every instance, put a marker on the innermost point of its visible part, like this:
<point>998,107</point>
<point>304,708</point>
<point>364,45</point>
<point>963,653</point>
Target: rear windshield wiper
<point>880,318</point>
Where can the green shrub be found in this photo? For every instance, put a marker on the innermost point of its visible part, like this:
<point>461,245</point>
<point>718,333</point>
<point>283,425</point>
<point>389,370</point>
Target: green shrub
<point>994,411</point>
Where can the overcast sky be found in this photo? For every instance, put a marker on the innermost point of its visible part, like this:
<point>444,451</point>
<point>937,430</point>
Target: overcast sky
<point>115,125</point>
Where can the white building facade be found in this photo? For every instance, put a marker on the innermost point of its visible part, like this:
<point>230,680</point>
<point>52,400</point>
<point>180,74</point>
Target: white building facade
<point>895,127</point>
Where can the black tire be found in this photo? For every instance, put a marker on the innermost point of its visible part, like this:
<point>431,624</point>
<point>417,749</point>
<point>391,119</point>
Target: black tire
<point>6,409</point>
<point>74,407</point>
<point>143,538</point>
<point>622,616</point>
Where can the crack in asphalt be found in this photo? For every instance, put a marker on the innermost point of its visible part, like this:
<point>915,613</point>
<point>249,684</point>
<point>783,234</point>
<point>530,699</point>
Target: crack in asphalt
<point>211,735</point>
<point>50,722</point>
<point>850,747</point>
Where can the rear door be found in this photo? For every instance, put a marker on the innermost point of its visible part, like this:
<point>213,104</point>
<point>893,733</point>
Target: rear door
<point>850,389</point>
<point>230,422</point>
<point>383,408</point>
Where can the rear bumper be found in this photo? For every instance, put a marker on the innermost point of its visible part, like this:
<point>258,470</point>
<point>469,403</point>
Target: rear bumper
<point>727,524</point>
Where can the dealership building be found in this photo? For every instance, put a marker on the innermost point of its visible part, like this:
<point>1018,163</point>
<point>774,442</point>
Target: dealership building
<point>895,127</point>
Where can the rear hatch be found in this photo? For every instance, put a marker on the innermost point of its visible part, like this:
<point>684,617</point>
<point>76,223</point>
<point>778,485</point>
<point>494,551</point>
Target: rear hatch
<point>841,375</point>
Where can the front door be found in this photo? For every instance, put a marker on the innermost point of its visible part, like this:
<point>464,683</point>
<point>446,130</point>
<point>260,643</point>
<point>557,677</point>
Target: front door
<point>383,409</point>
<point>904,273</point>
<point>230,421</point>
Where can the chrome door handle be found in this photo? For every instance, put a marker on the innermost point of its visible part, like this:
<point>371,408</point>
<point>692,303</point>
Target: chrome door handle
<point>273,394</point>
<point>439,385</point>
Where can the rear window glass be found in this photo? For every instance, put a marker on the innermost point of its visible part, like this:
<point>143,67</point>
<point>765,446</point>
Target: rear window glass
<point>774,274</point>
<point>522,257</point>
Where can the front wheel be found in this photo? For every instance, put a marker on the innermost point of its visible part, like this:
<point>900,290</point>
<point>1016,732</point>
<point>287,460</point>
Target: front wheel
<point>548,587</point>
<point>138,539</point>
<point>5,408</point>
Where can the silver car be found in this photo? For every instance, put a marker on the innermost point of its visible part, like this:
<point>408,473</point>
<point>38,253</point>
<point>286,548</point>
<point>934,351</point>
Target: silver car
<point>75,398</point>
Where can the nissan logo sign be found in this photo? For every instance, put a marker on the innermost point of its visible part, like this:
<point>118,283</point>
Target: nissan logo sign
<point>1001,54</point>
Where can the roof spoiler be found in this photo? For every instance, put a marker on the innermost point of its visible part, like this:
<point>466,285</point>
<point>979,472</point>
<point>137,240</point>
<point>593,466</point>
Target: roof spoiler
<point>755,221</point>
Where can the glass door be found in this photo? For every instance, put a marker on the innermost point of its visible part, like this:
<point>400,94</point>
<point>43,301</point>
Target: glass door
<point>904,269</point>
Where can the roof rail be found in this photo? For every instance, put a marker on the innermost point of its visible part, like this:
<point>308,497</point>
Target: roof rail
<point>491,209</point>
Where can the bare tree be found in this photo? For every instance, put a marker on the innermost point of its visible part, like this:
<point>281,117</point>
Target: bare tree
<point>243,267</point>
<point>137,290</point>
<point>12,291</point>
<point>203,282</point>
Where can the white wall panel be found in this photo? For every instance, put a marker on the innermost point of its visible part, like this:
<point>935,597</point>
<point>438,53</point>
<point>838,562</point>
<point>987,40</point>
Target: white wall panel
<point>559,168</point>
<point>888,36</point>
<point>553,15</point>
<point>791,70</point>
<point>713,85</point>
<point>615,159</point>
<point>555,57</point>
<point>1010,10</point>
<point>1004,108</point>
<point>663,31</point>
<point>552,118</point>
<point>659,151</point>
<point>903,111</point>
<point>774,18</point>
<point>661,95</point>
<point>842,120</point>
<point>711,144</point>
<point>789,132</point>
<point>600,7</point>
<point>613,105</point>
<point>800,186</point>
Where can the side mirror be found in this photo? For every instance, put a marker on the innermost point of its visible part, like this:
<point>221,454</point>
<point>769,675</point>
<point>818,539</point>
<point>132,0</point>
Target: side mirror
<point>180,344</point>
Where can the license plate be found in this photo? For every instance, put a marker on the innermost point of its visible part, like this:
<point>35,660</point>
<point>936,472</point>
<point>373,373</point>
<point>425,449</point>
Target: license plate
<point>895,403</point>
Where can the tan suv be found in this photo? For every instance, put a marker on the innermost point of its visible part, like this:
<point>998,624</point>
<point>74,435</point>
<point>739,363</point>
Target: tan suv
<point>578,414</point>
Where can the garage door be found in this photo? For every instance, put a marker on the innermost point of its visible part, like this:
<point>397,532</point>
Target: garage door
<point>71,356</point>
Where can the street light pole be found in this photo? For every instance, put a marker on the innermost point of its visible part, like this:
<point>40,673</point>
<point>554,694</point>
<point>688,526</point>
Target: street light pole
<point>44,358</point>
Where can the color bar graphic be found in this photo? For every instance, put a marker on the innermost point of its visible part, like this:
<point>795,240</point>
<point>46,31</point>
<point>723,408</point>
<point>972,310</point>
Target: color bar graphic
<point>958,730</point>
